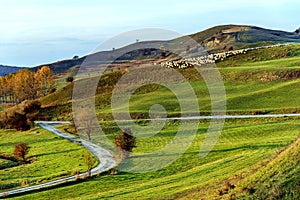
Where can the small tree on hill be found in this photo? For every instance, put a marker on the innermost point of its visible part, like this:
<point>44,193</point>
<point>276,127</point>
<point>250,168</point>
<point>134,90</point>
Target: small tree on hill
<point>21,150</point>
<point>125,142</point>
<point>70,79</point>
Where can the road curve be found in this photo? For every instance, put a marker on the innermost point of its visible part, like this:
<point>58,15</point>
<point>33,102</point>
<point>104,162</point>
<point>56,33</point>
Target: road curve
<point>106,161</point>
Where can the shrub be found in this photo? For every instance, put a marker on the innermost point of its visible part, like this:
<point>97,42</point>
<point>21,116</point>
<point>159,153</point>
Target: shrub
<point>125,142</point>
<point>21,150</point>
<point>70,79</point>
<point>20,116</point>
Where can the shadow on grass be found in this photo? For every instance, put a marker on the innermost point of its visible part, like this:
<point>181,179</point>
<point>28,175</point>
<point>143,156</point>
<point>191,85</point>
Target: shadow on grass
<point>12,144</point>
<point>248,147</point>
<point>56,152</point>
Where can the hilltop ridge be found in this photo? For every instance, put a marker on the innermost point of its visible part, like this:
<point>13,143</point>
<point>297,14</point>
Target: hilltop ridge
<point>216,39</point>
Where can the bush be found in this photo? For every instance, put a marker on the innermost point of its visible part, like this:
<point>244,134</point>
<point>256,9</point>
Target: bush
<point>21,150</point>
<point>125,142</point>
<point>21,116</point>
<point>70,79</point>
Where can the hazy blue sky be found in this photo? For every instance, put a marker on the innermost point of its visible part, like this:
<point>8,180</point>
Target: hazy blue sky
<point>34,32</point>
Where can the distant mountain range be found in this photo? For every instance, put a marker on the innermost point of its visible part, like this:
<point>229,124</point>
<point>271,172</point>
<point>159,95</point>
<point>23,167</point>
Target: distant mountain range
<point>216,39</point>
<point>8,70</point>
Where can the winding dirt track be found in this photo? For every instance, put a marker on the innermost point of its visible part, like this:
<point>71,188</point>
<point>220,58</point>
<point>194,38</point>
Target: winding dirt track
<point>106,161</point>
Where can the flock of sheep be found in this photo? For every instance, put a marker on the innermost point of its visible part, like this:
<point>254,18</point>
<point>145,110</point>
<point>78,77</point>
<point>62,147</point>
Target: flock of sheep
<point>211,58</point>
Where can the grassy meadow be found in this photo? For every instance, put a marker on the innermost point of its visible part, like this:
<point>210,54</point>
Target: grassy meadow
<point>248,149</point>
<point>250,85</point>
<point>244,147</point>
<point>55,157</point>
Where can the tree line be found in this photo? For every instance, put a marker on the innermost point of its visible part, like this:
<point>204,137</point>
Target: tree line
<point>26,85</point>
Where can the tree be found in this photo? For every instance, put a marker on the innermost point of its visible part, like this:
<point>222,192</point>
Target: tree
<point>70,79</point>
<point>7,88</point>
<point>44,81</point>
<point>87,121</point>
<point>125,142</point>
<point>24,85</point>
<point>10,88</point>
<point>21,150</point>
<point>2,89</point>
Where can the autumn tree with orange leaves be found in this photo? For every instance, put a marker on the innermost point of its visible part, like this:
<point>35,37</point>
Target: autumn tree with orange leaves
<point>26,85</point>
<point>44,81</point>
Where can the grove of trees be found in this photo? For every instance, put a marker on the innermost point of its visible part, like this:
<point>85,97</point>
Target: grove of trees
<point>26,85</point>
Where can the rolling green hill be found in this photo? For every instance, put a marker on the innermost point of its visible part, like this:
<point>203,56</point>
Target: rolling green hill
<point>251,81</point>
<point>279,179</point>
<point>253,158</point>
<point>245,146</point>
<point>215,39</point>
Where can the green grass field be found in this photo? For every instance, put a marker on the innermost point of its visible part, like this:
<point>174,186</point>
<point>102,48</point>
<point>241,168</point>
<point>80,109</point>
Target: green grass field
<point>61,82</point>
<point>261,85</point>
<point>7,164</point>
<point>55,158</point>
<point>278,180</point>
<point>264,80</point>
<point>243,146</point>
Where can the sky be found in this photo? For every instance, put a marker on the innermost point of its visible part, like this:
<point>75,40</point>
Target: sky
<point>35,32</point>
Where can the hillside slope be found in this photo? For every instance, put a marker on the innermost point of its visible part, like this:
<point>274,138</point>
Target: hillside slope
<point>235,37</point>
<point>216,39</point>
<point>280,179</point>
<point>254,71</point>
